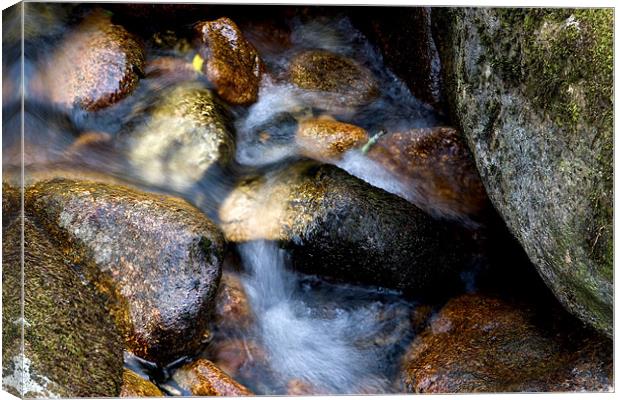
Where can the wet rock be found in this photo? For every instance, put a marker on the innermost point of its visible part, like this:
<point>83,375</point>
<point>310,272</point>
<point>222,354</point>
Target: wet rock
<point>484,344</point>
<point>436,168</point>
<point>325,139</point>
<point>136,386</point>
<point>337,83</point>
<point>232,309</point>
<point>155,257</point>
<point>203,378</point>
<point>340,226</point>
<point>174,142</point>
<point>532,90</point>
<point>231,62</point>
<point>170,70</point>
<point>300,387</point>
<point>71,345</point>
<point>239,358</point>
<point>96,65</point>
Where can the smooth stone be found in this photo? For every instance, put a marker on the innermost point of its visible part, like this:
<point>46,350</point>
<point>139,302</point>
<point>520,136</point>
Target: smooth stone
<point>136,386</point>
<point>478,343</point>
<point>325,139</point>
<point>232,307</point>
<point>203,378</point>
<point>155,257</point>
<point>231,63</point>
<point>339,226</point>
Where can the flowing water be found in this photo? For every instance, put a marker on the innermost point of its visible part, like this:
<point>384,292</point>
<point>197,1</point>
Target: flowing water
<point>328,337</point>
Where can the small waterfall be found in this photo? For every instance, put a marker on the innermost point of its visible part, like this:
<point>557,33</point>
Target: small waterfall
<point>328,346</point>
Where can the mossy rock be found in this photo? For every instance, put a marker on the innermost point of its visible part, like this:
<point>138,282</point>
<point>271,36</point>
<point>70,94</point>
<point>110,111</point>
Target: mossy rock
<point>72,347</point>
<point>176,140</point>
<point>339,226</point>
<point>136,386</point>
<point>477,343</point>
<point>532,91</point>
<point>156,259</point>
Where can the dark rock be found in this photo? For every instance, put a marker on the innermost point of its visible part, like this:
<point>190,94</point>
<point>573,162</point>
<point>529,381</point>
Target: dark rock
<point>484,344</point>
<point>203,378</point>
<point>71,345</point>
<point>337,83</point>
<point>136,386</point>
<point>340,226</point>
<point>325,139</point>
<point>96,65</point>
<point>157,258</point>
<point>436,168</point>
<point>231,62</point>
<point>532,90</point>
<point>173,142</point>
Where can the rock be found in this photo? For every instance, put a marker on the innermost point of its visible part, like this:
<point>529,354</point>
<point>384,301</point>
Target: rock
<point>170,70</point>
<point>436,168</point>
<point>231,62</point>
<point>483,344</point>
<point>532,90</point>
<point>71,345</point>
<point>337,83</point>
<point>238,357</point>
<point>324,139</point>
<point>232,308</point>
<point>404,38</point>
<point>203,378</point>
<point>157,258</point>
<point>340,226</point>
<point>174,142</point>
<point>136,386</point>
<point>300,387</point>
<point>96,65</point>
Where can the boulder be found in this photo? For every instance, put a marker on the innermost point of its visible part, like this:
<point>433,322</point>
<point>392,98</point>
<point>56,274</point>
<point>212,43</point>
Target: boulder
<point>231,63</point>
<point>478,343</point>
<point>334,82</point>
<point>532,91</point>
<point>203,378</point>
<point>156,258</point>
<point>339,226</point>
<point>325,139</point>
<point>136,386</point>
<point>175,141</point>
<point>71,346</point>
<point>436,169</point>
<point>96,65</point>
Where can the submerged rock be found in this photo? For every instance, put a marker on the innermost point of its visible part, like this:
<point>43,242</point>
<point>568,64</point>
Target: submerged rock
<point>340,226</point>
<point>436,169</point>
<point>482,344</point>
<point>231,62</point>
<point>232,308</point>
<point>71,345</point>
<point>532,90</point>
<point>97,64</point>
<point>156,258</point>
<point>239,358</point>
<point>203,378</point>
<point>174,142</point>
<point>336,82</point>
<point>136,386</point>
<point>325,139</point>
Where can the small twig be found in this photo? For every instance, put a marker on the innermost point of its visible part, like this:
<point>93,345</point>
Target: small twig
<point>371,142</point>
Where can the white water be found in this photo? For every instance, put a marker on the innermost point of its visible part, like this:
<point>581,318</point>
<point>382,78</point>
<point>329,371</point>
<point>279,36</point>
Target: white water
<point>333,351</point>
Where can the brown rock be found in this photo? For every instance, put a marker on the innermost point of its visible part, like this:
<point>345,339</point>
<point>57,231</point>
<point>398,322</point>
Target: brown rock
<point>436,168</point>
<point>231,62</point>
<point>325,139</point>
<point>97,64</point>
<point>232,310</point>
<point>483,344</point>
<point>156,259</point>
<point>234,356</point>
<point>203,378</point>
<point>136,386</point>
<point>170,69</point>
<point>339,84</point>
